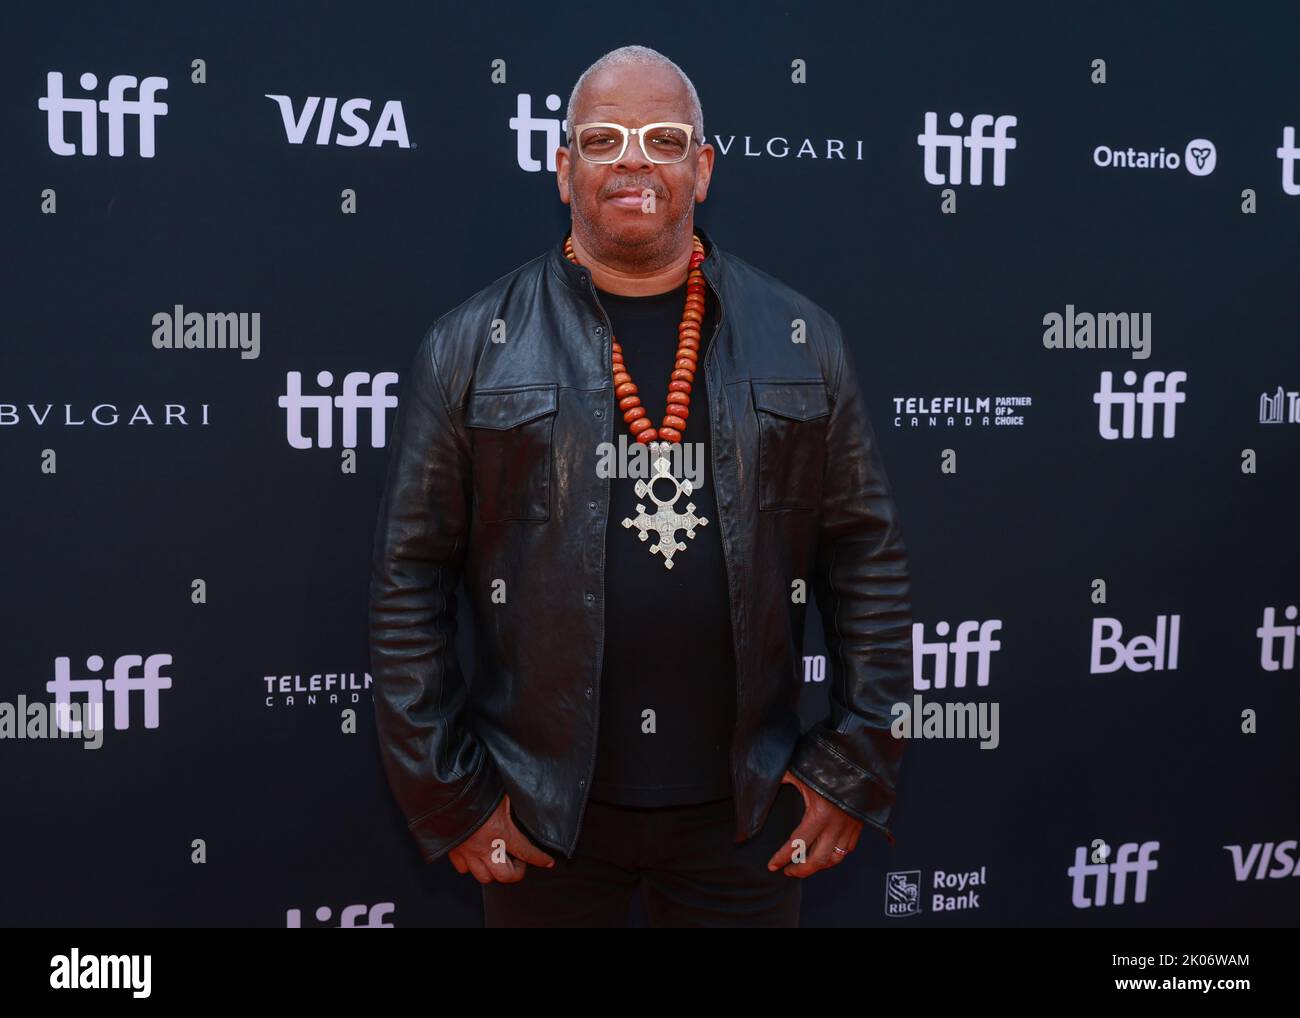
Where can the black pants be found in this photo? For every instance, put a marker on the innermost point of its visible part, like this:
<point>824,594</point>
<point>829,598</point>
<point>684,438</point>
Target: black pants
<point>684,859</point>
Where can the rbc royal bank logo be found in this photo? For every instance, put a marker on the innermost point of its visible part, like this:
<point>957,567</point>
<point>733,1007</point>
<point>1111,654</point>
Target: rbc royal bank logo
<point>902,894</point>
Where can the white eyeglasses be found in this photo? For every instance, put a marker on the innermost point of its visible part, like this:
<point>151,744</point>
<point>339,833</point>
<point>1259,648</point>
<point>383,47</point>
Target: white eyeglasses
<point>606,142</point>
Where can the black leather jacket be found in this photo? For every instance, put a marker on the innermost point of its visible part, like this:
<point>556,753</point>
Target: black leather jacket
<point>492,477</point>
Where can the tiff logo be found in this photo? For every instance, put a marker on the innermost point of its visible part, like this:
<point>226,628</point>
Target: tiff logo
<point>121,685</point>
<point>352,917</point>
<point>960,648</point>
<point>1149,398</point>
<point>1289,155</point>
<point>977,141</point>
<point>116,107</point>
<point>390,127</point>
<point>1270,632</point>
<point>1101,872</point>
<point>377,401</point>
<point>525,125</point>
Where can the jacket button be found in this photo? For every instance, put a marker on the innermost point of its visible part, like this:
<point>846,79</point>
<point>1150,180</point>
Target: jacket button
<point>600,413</point>
<point>588,692</point>
<point>591,505</point>
<point>582,782</point>
<point>591,598</point>
<point>600,330</point>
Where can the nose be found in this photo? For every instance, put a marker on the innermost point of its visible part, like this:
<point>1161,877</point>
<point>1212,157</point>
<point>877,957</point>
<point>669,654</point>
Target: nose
<point>633,157</point>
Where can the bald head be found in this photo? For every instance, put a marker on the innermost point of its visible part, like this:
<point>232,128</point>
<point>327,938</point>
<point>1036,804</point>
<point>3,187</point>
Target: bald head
<point>632,69</point>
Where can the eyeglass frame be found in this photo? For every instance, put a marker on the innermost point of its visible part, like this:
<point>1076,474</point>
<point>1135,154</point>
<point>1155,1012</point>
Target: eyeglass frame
<point>640,140</point>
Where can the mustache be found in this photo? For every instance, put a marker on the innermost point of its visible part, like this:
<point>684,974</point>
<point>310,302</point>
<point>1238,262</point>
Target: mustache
<point>639,186</point>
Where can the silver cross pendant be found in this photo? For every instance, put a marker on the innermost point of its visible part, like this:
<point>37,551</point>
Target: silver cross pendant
<point>666,520</point>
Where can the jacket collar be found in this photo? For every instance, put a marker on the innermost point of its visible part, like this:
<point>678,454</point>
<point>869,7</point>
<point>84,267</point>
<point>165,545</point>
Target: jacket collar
<point>576,276</point>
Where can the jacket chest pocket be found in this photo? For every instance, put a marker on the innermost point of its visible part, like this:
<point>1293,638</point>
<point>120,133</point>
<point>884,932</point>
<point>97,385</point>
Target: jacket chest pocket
<point>792,421</point>
<point>511,436</point>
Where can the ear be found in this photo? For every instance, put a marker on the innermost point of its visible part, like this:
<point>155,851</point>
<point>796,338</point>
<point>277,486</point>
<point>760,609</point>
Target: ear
<point>562,156</point>
<point>703,171</point>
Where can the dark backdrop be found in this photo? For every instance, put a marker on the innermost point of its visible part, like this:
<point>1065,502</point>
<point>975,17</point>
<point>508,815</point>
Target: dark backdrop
<point>229,216</point>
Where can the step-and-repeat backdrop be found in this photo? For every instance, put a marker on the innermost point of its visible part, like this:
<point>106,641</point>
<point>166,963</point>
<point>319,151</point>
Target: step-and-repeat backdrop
<point>1063,247</point>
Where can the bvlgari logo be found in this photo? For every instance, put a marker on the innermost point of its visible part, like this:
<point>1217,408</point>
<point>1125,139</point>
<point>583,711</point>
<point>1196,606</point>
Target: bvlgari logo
<point>73,415</point>
<point>550,131</point>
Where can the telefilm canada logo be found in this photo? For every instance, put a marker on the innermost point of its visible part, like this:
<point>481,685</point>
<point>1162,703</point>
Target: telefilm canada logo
<point>961,411</point>
<point>331,688</point>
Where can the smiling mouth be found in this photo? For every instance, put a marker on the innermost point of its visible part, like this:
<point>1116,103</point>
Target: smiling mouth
<point>630,198</point>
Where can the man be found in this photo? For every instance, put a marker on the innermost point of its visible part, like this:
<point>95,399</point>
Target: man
<point>633,720</point>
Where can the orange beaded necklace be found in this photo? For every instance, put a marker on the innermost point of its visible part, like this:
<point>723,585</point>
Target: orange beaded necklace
<point>677,408</point>
<point>666,520</point>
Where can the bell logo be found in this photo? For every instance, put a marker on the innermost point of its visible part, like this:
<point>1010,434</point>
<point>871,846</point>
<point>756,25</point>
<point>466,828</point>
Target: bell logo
<point>1140,654</point>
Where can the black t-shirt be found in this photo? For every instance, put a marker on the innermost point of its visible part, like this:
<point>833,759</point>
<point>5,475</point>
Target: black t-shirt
<point>668,640</point>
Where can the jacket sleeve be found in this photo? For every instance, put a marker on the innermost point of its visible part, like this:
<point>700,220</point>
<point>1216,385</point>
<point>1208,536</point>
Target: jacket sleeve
<point>443,778</point>
<point>864,594</point>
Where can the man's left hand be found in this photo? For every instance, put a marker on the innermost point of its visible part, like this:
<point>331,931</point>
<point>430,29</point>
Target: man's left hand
<point>824,828</point>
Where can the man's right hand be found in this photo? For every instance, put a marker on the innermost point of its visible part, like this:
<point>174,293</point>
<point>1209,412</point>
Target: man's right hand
<point>498,850</point>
